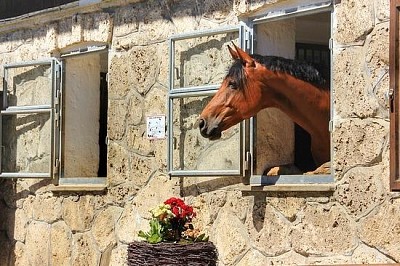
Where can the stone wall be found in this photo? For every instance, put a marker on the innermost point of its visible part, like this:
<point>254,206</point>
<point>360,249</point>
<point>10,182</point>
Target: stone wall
<point>359,222</point>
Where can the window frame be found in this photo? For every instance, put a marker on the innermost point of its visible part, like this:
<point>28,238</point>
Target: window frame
<point>56,115</point>
<point>195,91</point>
<point>394,61</point>
<point>53,109</point>
<point>290,10</point>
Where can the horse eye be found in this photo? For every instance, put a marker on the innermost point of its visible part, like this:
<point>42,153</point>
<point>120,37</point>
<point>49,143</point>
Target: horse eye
<point>232,85</point>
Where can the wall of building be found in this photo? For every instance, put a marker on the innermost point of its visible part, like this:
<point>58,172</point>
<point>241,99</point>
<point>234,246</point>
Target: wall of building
<point>359,222</point>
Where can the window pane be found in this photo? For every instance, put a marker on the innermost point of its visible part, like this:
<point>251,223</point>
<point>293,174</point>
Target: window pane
<point>203,60</point>
<point>193,152</point>
<point>27,143</point>
<point>30,85</point>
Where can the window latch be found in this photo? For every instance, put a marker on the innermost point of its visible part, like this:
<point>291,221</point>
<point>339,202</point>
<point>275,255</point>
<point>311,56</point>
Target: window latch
<point>391,99</point>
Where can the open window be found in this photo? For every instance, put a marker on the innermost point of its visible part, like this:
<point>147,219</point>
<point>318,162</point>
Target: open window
<point>394,92</point>
<point>294,31</point>
<point>54,118</point>
<point>198,64</point>
<point>29,122</point>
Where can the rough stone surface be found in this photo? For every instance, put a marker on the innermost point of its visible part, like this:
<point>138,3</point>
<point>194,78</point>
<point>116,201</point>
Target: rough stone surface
<point>352,95</point>
<point>230,242</point>
<point>84,250</point>
<point>381,229</point>
<point>356,223</point>
<point>361,190</point>
<point>102,229</point>
<point>61,244</point>
<point>37,242</point>
<point>78,212</point>
<point>323,225</point>
<point>359,143</point>
<point>354,20</point>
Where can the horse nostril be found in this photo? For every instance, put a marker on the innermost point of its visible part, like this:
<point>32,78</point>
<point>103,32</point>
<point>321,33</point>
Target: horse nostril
<point>202,123</point>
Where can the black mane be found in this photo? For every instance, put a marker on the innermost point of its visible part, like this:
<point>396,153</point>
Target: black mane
<point>298,69</point>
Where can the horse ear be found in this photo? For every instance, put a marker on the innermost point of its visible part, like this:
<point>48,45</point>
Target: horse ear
<point>233,53</point>
<point>248,61</point>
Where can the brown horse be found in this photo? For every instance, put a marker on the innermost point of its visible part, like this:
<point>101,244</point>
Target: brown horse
<point>256,82</point>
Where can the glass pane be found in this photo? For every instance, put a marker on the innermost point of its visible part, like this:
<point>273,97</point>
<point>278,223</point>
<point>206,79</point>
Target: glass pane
<point>193,152</point>
<point>202,61</point>
<point>30,85</point>
<point>27,143</point>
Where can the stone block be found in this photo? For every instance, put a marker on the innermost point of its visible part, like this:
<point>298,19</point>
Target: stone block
<point>61,244</point>
<point>143,64</point>
<point>382,10</point>
<point>267,230</point>
<point>136,109</point>
<point>104,225</point>
<point>84,250</point>
<point>353,95</point>
<point>97,27</point>
<point>318,231</point>
<point>119,82</point>
<point>129,225</point>
<point>118,164</point>
<point>37,243</point>
<point>46,208</point>
<point>18,224</point>
<point>361,189</point>
<point>117,114</point>
<point>358,143</point>
<point>78,212</point>
<point>119,255</point>
<point>255,257</point>
<point>207,206</point>
<point>377,62</point>
<point>159,188</point>
<point>230,237</point>
<point>354,20</point>
<point>381,228</point>
<point>288,206</point>
<point>20,255</point>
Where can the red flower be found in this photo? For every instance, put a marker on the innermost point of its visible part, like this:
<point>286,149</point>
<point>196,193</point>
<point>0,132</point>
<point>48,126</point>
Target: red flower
<point>180,209</point>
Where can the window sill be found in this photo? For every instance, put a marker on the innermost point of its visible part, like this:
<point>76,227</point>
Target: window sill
<point>95,184</point>
<point>288,183</point>
<point>78,188</point>
<point>289,188</point>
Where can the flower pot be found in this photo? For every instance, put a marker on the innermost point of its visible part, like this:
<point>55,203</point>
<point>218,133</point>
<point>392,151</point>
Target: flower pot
<point>165,253</point>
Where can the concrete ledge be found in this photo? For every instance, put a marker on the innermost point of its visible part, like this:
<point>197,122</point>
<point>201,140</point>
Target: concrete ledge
<point>289,188</point>
<point>78,188</point>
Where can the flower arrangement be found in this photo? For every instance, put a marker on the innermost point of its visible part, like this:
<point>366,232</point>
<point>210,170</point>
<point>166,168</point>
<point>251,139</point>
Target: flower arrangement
<point>171,222</point>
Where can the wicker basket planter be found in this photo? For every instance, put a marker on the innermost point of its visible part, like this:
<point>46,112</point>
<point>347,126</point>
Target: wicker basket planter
<point>193,254</point>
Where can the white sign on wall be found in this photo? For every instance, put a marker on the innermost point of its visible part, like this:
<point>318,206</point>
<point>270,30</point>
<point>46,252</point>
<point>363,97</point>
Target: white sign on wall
<point>155,127</point>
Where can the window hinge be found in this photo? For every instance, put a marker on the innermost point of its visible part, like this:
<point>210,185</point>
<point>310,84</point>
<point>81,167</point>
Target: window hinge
<point>330,125</point>
<point>391,100</point>
<point>247,161</point>
<point>56,166</point>
<point>57,119</point>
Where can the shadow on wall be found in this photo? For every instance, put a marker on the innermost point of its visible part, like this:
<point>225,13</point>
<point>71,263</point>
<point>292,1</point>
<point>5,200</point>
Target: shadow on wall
<point>10,201</point>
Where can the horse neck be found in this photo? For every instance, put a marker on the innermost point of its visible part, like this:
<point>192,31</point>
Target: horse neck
<point>306,104</point>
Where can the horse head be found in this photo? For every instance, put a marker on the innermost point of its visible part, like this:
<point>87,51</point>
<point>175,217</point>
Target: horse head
<point>239,97</point>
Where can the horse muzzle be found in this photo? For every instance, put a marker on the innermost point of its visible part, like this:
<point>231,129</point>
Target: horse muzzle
<point>209,130</point>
